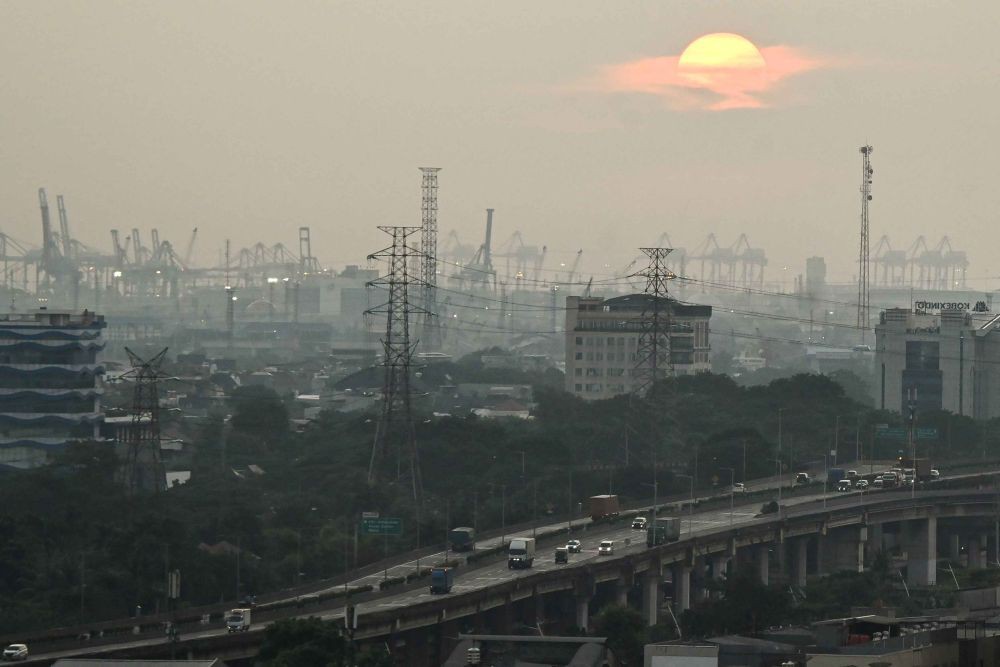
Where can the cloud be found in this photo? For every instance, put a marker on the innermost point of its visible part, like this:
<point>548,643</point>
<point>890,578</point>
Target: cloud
<point>705,88</point>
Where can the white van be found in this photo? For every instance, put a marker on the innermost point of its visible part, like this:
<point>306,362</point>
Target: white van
<point>844,485</point>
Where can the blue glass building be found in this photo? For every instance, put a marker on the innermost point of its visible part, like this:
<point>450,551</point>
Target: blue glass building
<point>50,383</point>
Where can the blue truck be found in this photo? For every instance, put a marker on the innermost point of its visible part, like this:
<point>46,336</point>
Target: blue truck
<point>442,579</point>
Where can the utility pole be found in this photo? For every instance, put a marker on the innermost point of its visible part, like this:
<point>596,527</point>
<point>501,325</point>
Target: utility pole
<point>780,410</point>
<point>911,395</point>
<point>864,259</point>
<point>431,334</point>
<point>653,359</point>
<point>143,469</point>
<point>397,357</point>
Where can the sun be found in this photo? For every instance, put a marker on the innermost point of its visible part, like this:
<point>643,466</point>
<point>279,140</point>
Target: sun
<point>721,50</point>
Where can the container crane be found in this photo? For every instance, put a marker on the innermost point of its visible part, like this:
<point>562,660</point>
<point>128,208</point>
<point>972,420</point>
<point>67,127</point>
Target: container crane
<point>67,242</point>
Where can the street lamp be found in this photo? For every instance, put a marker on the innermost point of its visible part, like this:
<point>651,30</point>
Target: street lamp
<point>732,483</point>
<point>691,505</point>
<point>780,411</point>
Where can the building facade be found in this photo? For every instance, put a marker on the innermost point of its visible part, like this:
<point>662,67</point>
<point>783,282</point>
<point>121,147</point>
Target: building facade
<point>948,360</point>
<point>50,383</point>
<point>602,340</point>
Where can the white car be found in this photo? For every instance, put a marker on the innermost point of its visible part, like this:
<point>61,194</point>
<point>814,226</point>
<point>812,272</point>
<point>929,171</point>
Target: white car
<point>802,478</point>
<point>607,548</point>
<point>16,652</point>
<point>574,546</point>
<point>639,523</point>
<point>935,473</point>
<point>861,484</point>
<point>739,487</point>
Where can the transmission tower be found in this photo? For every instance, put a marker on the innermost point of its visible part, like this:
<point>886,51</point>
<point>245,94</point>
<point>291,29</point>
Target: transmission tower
<point>397,359</point>
<point>431,334</point>
<point>654,359</point>
<point>864,258</point>
<point>143,467</point>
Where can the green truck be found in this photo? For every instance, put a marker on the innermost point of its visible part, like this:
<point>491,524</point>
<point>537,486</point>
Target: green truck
<point>664,529</point>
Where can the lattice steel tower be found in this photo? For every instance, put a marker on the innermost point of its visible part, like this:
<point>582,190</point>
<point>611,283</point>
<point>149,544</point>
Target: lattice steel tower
<point>397,349</point>
<point>654,361</point>
<point>143,469</point>
<point>864,257</point>
<point>431,333</point>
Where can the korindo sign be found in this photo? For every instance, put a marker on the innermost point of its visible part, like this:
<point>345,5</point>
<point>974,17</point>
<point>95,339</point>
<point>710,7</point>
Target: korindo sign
<point>978,307</point>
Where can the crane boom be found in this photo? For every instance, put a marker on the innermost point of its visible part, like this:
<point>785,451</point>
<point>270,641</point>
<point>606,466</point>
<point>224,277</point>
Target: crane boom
<point>43,201</point>
<point>190,247</point>
<point>67,243</point>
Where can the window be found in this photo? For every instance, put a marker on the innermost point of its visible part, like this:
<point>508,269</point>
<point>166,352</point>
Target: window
<point>593,372</point>
<point>578,356</point>
<point>578,387</point>
<point>611,341</point>
<point>579,340</point>
<point>577,372</point>
<point>598,356</point>
<point>590,356</point>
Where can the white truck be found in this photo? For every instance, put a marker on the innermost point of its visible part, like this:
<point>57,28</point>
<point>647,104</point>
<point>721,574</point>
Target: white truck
<point>238,620</point>
<point>521,552</point>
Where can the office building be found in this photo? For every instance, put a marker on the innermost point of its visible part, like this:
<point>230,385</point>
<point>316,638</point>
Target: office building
<point>50,383</point>
<point>602,340</point>
<point>948,359</point>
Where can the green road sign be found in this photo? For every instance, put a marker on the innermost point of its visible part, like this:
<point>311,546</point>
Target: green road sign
<point>382,526</point>
<point>897,433</point>
<point>927,434</point>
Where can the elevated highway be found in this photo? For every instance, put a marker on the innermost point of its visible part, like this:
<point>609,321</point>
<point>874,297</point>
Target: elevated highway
<point>810,536</point>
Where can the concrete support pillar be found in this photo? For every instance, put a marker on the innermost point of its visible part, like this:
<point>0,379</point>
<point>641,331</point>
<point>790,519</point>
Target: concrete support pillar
<point>682,588</point>
<point>921,550</point>
<point>621,595</point>
<point>651,598</point>
<point>954,548</point>
<point>973,553</point>
<point>583,613</point>
<point>825,561</point>
<point>720,564</point>
<point>799,560</point>
<point>763,563</point>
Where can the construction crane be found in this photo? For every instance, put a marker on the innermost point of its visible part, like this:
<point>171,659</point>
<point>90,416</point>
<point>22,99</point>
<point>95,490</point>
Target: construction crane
<point>47,247</point>
<point>586,290</point>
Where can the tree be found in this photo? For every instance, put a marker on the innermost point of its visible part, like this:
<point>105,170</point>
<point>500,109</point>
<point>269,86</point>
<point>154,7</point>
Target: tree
<point>302,642</point>
<point>259,411</point>
<point>626,633</point>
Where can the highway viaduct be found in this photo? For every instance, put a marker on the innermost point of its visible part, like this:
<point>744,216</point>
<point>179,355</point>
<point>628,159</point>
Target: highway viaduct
<point>815,537</point>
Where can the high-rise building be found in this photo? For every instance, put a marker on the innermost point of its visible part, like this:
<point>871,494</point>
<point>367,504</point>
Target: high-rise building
<point>602,339</point>
<point>945,356</point>
<point>50,383</point>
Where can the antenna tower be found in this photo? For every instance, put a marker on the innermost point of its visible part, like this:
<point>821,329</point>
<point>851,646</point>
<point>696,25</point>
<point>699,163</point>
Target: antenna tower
<point>654,358</point>
<point>143,467</point>
<point>397,360</point>
<point>431,335</point>
<point>864,257</point>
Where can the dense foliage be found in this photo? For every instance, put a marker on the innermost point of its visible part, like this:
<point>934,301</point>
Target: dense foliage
<point>286,504</point>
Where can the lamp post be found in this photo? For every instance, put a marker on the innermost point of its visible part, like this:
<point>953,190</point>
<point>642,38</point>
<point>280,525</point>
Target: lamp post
<point>732,483</point>
<point>691,505</point>
<point>780,411</point>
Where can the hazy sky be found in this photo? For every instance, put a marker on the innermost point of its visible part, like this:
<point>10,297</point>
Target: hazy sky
<point>249,119</point>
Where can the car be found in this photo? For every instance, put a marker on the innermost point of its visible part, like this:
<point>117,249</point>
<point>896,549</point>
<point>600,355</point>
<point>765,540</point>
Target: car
<point>879,483</point>
<point>844,485</point>
<point>861,484</point>
<point>16,652</point>
<point>935,473</point>
<point>802,478</point>
<point>606,548</point>
<point>639,523</point>
<point>739,487</point>
<point>562,555</point>
<point>574,546</point>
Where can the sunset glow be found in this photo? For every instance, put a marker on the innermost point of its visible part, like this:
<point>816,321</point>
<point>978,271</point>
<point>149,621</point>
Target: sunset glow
<point>715,72</point>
